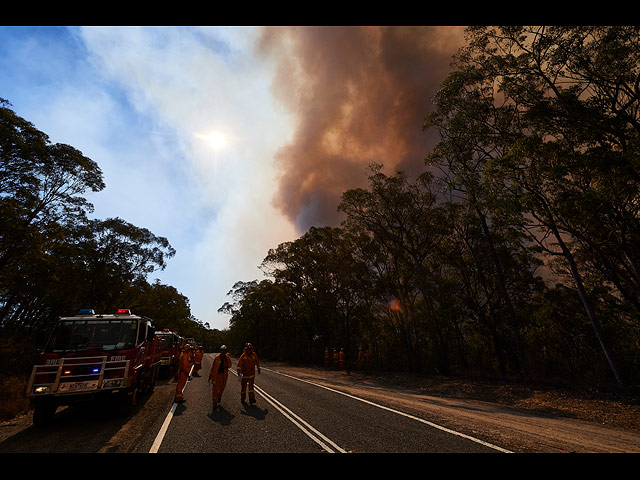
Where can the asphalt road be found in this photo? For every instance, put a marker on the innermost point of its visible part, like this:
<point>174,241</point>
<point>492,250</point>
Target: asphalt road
<point>295,416</point>
<point>291,415</point>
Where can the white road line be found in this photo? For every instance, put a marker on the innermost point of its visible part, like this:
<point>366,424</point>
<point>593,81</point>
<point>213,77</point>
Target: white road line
<point>316,436</point>
<point>163,430</point>
<point>440,427</point>
<point>301,424</point>
<point>165,425</point>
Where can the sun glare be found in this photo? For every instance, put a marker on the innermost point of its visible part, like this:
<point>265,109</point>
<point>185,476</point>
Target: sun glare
<point>215,140</point>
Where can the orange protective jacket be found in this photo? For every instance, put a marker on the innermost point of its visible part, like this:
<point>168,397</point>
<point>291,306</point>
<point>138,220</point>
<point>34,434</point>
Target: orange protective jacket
<point>247,364</point>
<point>197,357</point>
<point>184,363</point>
<point>213,373</point>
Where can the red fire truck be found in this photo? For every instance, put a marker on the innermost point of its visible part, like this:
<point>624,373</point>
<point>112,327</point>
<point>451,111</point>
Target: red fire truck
<point>169,344</point>
<point>90,357</point>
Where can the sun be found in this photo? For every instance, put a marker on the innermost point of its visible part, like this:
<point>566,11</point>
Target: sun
<point>215,140</point>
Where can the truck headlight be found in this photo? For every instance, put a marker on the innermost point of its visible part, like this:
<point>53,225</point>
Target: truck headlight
<point>41,390</point>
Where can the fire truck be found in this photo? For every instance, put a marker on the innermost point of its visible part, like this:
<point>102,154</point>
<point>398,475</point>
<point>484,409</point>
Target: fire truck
<point>169,344</point>
<point>92,357</point>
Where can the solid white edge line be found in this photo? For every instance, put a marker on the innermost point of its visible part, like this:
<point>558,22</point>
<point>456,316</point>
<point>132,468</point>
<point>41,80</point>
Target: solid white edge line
<point>440,427</point>
<point>156,443</point>
<point>165,425</point>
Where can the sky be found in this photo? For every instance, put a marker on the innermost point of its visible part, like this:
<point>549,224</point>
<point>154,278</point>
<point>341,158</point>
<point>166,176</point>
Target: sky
<point>228,140</point>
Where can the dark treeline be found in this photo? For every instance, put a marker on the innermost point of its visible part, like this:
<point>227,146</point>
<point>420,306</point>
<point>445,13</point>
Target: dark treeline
<point>54,260</point>
<point>514,255</point>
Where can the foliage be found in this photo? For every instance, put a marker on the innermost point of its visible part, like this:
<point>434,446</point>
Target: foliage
<point>514,254</point>
<point>54,260</point>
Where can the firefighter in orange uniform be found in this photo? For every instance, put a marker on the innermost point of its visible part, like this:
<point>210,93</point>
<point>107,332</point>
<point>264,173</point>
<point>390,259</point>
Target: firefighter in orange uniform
<point>184,368</point>
<point>218,375</point>
<point>197,361</point>
<point>247,365</point>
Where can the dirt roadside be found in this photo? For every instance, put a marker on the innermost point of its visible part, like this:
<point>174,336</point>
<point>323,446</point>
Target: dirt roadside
<point>513,416</point>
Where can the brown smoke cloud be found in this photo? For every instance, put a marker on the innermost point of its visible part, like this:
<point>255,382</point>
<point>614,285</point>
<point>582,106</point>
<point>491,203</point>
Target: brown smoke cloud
<point>359,96</point>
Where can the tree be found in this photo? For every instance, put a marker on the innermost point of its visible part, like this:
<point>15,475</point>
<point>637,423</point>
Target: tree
<point>41,183</point>
<point>320,266</point>
<point>570,97</point>
<point>408,227</point>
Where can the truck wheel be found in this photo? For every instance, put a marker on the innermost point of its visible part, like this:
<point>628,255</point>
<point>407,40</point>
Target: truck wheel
<point>128,400</point>
<point>42,414</point>
<point>154,376</point>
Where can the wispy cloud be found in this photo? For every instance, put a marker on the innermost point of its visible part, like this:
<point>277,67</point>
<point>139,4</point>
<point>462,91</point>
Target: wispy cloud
<point>303,111</point>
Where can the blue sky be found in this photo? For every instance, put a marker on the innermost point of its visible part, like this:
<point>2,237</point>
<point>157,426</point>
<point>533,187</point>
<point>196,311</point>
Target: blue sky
<point>143,101</point>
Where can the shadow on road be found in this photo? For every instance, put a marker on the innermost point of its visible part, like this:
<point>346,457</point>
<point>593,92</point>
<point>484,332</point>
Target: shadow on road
<point>221,415</point>
<point>253,411</point>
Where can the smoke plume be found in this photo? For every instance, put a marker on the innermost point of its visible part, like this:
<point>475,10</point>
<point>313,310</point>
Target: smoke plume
<point>359,96</point>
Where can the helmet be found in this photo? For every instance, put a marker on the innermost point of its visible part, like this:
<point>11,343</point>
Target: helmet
<point>248,346</point>
<point>223,347</point>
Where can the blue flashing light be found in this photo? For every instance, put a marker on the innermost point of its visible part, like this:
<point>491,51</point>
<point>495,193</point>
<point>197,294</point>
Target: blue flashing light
<point>86,311</point>
<point>95,370</point>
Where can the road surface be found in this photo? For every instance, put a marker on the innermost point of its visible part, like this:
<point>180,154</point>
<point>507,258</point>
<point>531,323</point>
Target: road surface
<point>302,410</point>
<point>296,416</point>
<point>291,415</point>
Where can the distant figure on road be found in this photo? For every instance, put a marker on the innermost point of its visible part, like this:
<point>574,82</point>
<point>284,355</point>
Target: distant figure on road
<point>218,375</point>
<point>184,368</point>
<point>247,364</point>
<point>197,361</point>
<point>326,357</point>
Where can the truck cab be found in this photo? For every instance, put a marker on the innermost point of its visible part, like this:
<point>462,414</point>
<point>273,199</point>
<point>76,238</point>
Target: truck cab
<point>169,345</point>
<point>93,356</point>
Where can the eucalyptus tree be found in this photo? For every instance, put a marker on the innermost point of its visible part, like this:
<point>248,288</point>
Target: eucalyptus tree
<point>477,127</point>
<point>327,278</point>
<point>404,222</point>
<point>41,184</point>
<point>271,316</point>
<point>41,194</point>
<point>569,154</point>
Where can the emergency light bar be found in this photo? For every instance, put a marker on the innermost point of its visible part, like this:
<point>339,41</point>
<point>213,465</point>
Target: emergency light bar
<point>123,311</point>
<point>86,311</point>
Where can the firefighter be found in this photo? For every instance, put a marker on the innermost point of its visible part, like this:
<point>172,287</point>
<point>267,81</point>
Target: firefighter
<point>326,357</point>
<point>247,365</point>
<point>336,358</point>
<point>218,375</point>
<point>197,361</point>
<point>343,358</point>
<point>184,369</point>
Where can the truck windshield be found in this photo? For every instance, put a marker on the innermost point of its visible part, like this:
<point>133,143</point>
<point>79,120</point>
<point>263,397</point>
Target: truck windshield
<point>88,335</point>
<point>165,341</point>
